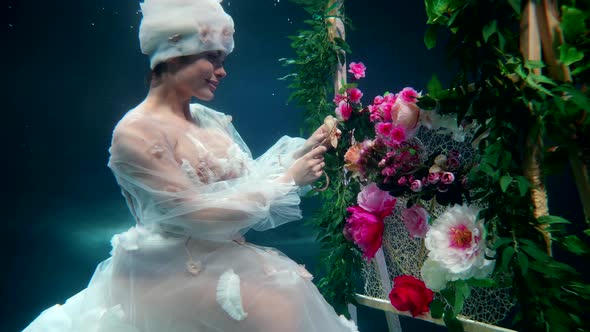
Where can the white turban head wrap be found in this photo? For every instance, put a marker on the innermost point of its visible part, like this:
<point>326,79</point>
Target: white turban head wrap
<point>173,28</point>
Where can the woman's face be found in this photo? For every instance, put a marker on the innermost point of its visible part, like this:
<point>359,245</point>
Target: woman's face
<point>201,75</point>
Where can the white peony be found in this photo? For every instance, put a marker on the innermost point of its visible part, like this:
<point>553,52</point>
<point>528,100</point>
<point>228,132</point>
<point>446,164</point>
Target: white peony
<point>456,244</point>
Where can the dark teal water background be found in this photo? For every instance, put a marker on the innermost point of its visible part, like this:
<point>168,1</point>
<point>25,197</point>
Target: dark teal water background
<point>74,68</point>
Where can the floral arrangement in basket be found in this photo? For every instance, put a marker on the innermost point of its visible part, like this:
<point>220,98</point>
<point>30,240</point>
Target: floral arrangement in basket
<point>389,161</point>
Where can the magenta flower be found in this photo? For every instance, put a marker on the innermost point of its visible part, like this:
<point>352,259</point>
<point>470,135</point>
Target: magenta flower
<point>386,111</point>
<point>378,100</point>
<point>365,230</point>
<point>447,177</point>
<point>398,134</point>
<point>390,98</point>
<point>453,163</point>
<point>344,110</point>
<point>408,95</point>
<point>384,128</point>
<point>357,69</point>
<point>376,201</point>
<point>416,220</point>
<point>338,98</point>
<point>354,95</point>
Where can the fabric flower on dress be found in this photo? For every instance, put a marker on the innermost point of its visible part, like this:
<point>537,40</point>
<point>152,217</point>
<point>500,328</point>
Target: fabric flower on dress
<point>416,220</point>
<point>410,294</point>
<point>357,69</point>
<point>457,250</point>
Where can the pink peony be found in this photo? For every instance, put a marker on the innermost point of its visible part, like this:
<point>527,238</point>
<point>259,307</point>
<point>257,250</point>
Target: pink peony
<point>354,95</point>
<point>390,98</point>
<point>357,69</point>
<point>416,220</point>
<point>376,201</point>
<point>408,95</point>
<point>365,230</point>
<point>344,110</point>
<point>386,111</point>
<point>447,177</point>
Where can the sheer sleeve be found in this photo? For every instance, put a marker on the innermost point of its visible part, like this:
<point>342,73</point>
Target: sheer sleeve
<point>163,195</point>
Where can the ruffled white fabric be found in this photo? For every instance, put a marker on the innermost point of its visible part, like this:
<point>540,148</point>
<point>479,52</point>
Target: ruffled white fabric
<point>185,266</point>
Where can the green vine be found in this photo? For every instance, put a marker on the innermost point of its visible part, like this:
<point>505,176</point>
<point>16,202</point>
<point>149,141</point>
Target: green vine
<point>317,57</point>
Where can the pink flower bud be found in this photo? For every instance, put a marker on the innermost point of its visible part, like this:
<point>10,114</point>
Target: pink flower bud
<point>447,177</point>
<point>416,186</point>
<point>433,178</point>
<point>402,181</point>
<point>453,163</point>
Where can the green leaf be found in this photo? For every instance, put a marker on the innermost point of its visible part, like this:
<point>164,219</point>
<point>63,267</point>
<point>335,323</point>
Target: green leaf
<point>430,36</point>
<point>462,292</point>
<point>575,245</point>
<point>507,254</point>
<point>451,321</point>
<point>569,54</point>
<point>549,220</point>
<point>483,283</point>
<point>534,64</point>
<point>523,184</point>
<point>572,23</point>
<point>515,4</point>
<point>434,86</point>
<point>437,308</point>
<point>489,30</point>
<point>587,231</point>
<point>501,241</point>
<point>505,182</point>
<point>523,262</point>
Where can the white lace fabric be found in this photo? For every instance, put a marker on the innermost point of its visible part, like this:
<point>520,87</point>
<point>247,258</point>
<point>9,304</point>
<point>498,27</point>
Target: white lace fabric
<point>183,266</point>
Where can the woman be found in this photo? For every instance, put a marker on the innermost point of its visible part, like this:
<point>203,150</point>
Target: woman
<point>194,190</point>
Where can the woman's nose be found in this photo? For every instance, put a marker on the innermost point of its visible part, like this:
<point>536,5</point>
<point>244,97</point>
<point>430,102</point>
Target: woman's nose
<point>220,72</point>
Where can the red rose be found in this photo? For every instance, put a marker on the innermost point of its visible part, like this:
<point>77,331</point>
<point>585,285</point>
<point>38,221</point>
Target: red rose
<point>410,294</point>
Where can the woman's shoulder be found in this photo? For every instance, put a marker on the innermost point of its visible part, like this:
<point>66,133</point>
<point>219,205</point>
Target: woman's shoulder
<point>137,124</point>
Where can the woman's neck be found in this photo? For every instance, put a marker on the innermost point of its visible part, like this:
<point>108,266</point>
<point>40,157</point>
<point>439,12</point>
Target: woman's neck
<point>165,98</point>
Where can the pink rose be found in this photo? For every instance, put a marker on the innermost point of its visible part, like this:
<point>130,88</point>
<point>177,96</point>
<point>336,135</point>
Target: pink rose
<point>376,201</point>
<point>357,69</point>
<point>354,95</point>
<point>433,178</point>
<point>407,115</point>
<point>365,230</point>
<point>416,220</point>
<point>447,177</point>
<point>416,186</point>
<point>344,110</point>
<point>408,95</point>
<point>453,163</point>
<point>441,187</point>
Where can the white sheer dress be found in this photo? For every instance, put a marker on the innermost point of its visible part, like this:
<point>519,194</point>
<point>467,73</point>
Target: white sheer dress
<point>185,265</point>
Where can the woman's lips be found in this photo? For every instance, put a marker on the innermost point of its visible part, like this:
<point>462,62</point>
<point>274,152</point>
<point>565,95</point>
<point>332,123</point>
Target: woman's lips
<point>212,85</point>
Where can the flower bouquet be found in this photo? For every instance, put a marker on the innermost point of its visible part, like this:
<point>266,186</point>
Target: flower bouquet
<point>416,218</point>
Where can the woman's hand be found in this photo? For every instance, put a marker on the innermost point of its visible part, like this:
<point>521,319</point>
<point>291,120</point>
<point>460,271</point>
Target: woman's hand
<point>308,168</point>
<point>319,137</point>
